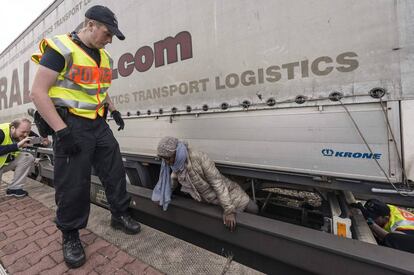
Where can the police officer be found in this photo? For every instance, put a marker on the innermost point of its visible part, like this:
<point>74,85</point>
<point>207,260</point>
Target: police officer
<point>74,75</point>
<point>13,137</point>
<point>391,225</point>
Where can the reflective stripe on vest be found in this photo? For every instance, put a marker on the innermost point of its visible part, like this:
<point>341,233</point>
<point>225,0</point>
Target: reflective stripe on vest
<point>400,219</point>
<point>82,85</point>
<point>5,127</point>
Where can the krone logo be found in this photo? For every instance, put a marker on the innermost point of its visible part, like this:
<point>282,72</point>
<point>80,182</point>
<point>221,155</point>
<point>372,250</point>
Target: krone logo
<point>327,152</point>
<point>355,155</point>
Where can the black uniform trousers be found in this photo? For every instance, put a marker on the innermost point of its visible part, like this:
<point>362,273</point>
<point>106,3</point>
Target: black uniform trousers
<point>72,174</point>
<point>399,241</point>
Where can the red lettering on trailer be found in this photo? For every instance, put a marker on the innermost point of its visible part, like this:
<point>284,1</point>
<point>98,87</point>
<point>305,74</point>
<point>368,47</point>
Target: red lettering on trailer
<point>164,52</point>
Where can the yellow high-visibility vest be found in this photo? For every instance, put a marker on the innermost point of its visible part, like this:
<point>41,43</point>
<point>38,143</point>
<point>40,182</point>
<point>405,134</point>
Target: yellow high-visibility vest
<point>5,127</point>
<point>82,85</point>
<point>400,219</point>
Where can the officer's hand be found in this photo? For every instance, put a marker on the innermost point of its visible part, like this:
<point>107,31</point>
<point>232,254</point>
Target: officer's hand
<point>362,208</point>
<point>45,142</point>
<point>66,142</point>
<point>24,142</point>
<point>370,221</point>
<point>118,119</point>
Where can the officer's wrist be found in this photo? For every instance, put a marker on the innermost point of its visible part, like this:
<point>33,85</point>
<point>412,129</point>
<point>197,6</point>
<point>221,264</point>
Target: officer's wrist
<point>62,133</point>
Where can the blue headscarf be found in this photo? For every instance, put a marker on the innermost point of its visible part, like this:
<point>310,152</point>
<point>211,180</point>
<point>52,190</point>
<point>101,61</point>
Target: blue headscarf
<point>162,191</point>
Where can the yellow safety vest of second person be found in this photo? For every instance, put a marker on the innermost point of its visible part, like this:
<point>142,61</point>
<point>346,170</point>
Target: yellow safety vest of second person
<point>5,127</point>
<point>400,219</point>
<point>82,85</point>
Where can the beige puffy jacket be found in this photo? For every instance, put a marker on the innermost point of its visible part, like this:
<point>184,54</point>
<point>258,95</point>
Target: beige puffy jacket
<point>212,186</point>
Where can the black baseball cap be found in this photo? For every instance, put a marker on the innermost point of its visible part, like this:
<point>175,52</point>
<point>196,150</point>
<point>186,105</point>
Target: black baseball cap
<point>376,208</point>
<point>107,17</point>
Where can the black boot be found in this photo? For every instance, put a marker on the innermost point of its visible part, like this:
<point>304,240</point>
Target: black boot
<point>126,224</point>
<point>72,250</point>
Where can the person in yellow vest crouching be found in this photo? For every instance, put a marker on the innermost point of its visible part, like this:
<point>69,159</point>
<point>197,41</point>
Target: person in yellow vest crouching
<point>13,137</point>
<point>391,225</point>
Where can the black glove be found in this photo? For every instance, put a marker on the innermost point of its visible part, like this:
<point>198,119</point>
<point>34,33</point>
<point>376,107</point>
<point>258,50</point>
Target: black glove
<point>362,208</point>
<point>118,119</point>
<point>66,142</point>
